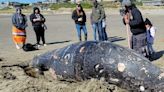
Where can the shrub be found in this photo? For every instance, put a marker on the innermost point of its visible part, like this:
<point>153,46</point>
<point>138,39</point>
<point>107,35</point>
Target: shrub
<point>69,5</point>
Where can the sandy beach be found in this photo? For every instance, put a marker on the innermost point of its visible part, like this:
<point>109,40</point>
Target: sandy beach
<point>61,32</point>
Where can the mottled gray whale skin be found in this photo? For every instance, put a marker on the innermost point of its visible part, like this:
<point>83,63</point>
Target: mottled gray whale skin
<point>117,65</point>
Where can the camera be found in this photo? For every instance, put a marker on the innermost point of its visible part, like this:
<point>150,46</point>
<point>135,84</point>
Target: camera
<point>123,12</point>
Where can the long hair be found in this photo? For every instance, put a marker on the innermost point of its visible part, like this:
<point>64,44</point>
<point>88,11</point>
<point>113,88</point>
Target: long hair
<point>36,8</point>
<point>81,10</point>
<point>148,22</point>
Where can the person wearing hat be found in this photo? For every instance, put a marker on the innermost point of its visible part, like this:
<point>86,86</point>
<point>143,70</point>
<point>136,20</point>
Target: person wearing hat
<point>19,21</point>
<point>150,36</point>
<point>38,20</point>
<point>79,17</point>
<point>134,19</point>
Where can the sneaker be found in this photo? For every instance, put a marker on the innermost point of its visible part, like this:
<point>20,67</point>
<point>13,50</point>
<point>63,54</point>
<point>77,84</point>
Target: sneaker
<point>38,45</point>
<point>44,44</point>
<point>18,47</point>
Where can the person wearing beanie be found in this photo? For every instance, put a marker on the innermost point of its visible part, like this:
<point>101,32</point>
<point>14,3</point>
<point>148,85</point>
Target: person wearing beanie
<point>38,20</point>
<point>19,21</point>
<point>126,3</point>
<point>151,30</point>
<point>134,19</point>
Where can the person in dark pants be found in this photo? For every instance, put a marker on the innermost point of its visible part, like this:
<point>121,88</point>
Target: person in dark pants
<point>38,21</point>
<point>79,17</point>
<point>135,20</point>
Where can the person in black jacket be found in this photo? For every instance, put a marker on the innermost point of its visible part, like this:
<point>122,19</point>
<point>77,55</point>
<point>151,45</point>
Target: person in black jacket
<point>38,21</point>
<point>135,20</point>
<point>79,17</point>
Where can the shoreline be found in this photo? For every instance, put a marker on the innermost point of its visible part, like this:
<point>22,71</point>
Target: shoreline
<point>109,11</point>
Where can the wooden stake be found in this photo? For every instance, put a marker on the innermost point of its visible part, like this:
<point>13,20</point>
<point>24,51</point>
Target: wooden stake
<point>128,35</point>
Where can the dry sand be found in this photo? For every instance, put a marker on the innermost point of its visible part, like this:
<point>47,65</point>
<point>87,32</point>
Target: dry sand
<point>61,32</point>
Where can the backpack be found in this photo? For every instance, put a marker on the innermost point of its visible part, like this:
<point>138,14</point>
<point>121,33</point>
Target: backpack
<point>29,47</point>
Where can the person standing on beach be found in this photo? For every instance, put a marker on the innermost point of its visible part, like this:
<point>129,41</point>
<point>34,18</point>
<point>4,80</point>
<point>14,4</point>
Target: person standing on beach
<point>19,22</point>
<point>97,17</point>
<point>151,30</point>
<point>105,36</point>
<point>38,20</point>
<point>79,17</point>
<point>135,20</point>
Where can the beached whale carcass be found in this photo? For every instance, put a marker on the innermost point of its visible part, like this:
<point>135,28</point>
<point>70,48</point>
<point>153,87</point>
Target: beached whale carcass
<point>118,65</point>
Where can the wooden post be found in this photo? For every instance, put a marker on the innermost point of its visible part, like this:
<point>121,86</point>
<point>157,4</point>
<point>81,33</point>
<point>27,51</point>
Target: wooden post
<point>127,17</point>
<point>128,35</point>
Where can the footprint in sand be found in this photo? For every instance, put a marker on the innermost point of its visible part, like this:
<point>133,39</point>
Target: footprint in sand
<point>1,59</point>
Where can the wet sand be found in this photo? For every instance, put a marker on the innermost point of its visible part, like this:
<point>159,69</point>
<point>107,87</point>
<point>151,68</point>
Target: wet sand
<point>61,32</point>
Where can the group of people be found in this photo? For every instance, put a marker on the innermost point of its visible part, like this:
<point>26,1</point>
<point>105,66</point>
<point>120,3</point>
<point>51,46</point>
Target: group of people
<point>97,21</point>
<point>143,32</point>
<point>19,21</point>
<point>142,37</point>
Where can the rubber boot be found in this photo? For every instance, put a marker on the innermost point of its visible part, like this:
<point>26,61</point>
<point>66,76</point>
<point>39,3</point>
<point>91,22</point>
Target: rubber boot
<point>80,38</point>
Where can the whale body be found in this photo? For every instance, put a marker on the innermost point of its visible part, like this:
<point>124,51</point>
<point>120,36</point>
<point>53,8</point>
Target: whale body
<point>92,59</point>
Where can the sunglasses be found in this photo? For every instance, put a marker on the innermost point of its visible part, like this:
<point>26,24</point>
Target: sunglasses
<point>78,5</point>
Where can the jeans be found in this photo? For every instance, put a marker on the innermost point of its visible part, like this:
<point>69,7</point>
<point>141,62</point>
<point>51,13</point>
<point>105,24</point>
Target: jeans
<point>79,28</point>
<point>150,48</point>
<point>97,27</point>
<point>105,36</point>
